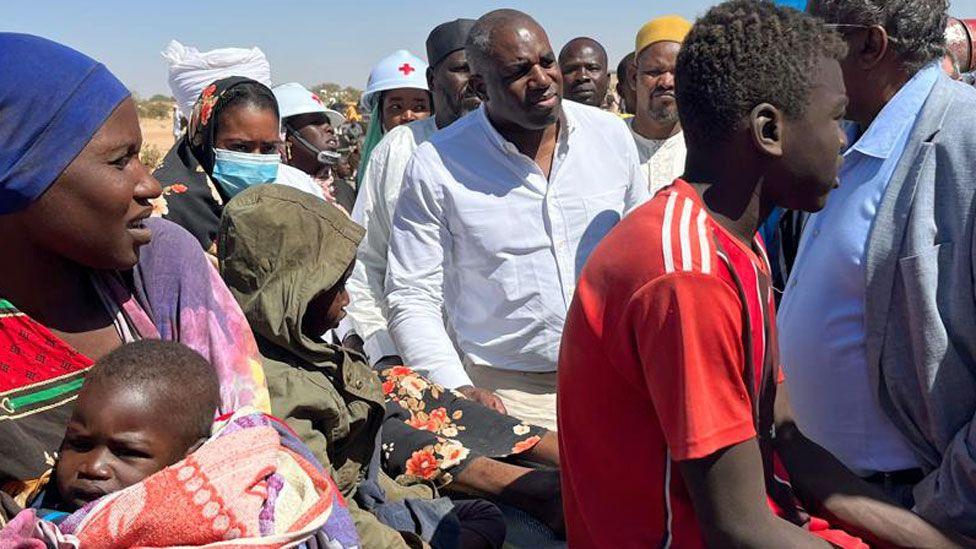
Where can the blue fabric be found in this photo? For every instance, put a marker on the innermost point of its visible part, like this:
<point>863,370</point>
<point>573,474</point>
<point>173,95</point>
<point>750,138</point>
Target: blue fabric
<point>52,101</point>
<point>795,4</point>
<point>236,171</point>
<point>822,315</point>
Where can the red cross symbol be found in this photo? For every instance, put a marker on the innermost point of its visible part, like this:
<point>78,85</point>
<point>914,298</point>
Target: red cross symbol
<point>406,69</point>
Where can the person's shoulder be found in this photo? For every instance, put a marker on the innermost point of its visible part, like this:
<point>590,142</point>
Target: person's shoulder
<point>589,116</point>
<point>962,109</point>
<point>674,235</point>
<point>459,131</point>
<point>406,135</point>
<point>170,243</point>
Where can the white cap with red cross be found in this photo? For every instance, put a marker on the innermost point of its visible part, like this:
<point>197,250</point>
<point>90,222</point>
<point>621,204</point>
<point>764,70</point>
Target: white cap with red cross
<point>402,69</point>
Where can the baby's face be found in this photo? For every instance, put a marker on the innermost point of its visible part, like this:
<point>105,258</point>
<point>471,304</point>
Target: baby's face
<point>116,438</point>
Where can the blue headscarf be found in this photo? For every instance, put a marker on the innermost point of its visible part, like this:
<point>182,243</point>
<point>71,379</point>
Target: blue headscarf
<point>52,101</point>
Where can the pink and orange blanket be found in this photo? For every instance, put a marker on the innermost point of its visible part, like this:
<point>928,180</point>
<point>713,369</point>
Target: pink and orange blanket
<point>253,484</point>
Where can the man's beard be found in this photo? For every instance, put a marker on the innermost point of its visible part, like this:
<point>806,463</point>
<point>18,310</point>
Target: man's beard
<point>667,114</point>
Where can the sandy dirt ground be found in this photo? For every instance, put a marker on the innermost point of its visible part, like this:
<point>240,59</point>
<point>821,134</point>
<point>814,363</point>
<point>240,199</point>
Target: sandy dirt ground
<point>157,138</point>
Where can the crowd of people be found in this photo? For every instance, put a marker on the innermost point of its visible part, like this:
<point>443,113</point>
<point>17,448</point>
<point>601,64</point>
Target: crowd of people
<point>730,302</point>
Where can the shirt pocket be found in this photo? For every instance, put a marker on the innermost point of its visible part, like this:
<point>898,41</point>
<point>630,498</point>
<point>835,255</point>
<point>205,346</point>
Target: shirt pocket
<point>924,279</point>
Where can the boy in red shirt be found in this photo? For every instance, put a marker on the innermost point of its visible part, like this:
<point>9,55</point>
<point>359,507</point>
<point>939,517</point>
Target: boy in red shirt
<point>668,374</point>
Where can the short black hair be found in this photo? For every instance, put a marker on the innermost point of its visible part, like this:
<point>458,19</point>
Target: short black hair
<point>916,27</point>
<point>252,93</point>
<point>743,53</point>
<point>170,371</point>
<point>624,66</point>
<point>589,42</point>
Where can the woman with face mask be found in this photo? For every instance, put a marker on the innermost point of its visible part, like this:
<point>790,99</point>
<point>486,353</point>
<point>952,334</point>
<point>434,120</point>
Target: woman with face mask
<point>232,142</point>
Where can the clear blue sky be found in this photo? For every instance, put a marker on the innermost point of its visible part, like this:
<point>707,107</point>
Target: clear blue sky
<point>312,41</point>
<point>305,41</point>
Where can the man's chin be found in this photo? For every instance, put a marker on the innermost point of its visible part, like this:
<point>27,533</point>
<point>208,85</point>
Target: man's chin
<point>469,104</point>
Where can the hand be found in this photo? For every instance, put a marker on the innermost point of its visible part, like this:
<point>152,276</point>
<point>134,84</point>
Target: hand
<point>483,397</point>
<point>354,342</point>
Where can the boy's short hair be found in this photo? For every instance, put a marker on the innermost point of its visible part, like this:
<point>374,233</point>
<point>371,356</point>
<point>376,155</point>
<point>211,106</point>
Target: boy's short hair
<point>743,53</point>
<point>173,373</point>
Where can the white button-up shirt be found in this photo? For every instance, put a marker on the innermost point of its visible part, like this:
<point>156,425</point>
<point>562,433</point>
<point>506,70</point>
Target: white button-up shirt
<point>374,210</point>
<point>482,233</point>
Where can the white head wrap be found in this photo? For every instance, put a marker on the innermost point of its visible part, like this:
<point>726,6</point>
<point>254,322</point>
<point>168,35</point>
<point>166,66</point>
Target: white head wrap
<point>191,70</point>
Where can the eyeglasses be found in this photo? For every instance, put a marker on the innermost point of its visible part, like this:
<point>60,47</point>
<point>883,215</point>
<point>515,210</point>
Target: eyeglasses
<point>840,27</point>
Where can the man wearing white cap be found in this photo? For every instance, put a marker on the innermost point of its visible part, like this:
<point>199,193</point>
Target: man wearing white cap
<point>447,78</point>
<point>310,137</point>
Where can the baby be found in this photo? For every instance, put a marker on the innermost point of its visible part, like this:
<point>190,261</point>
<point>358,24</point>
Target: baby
<point>144,407</point>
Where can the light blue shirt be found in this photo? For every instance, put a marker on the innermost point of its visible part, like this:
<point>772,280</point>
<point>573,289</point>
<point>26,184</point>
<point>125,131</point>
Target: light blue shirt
<point>821,317</point>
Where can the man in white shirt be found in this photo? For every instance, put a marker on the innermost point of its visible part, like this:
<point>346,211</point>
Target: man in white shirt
<point>655,125</point>
<point>447,78</point>
<point>497,215</point>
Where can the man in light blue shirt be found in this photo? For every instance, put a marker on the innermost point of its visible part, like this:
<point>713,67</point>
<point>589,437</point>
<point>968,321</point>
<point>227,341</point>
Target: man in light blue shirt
<point>878,320</point>
<point>821,317</point>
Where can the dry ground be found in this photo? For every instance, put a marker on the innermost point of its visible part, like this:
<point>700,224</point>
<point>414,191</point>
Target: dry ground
<point>157,138</point>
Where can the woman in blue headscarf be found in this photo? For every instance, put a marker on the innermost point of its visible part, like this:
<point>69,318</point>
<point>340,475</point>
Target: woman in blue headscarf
<point>84,269</point>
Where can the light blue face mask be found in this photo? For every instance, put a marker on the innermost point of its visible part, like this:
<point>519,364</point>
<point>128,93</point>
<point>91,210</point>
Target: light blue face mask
<point>236,171</point>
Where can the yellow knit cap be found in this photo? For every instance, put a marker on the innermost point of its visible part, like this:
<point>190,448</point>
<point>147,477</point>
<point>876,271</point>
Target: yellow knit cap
<point>670,28</point>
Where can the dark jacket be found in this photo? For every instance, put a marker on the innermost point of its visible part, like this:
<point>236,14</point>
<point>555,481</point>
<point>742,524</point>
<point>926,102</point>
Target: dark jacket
<point>278,249</point>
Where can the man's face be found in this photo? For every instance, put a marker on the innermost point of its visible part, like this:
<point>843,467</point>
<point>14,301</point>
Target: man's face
<point>654,83</point>
<point>521,81</point>
<point>585,73</point>
<point>316,129</point>
<point>453,97</point>
<point>625,88</point>
<point>115,439</point>
<point>857,81</point>
<point>812,145</point>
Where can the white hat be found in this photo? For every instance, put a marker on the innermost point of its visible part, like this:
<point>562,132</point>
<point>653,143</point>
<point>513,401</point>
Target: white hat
<point>294,99</point>
<point>190,70</point>
<point>400,70</point>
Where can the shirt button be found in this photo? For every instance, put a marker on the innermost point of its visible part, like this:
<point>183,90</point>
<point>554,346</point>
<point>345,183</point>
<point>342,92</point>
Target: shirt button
<point>816,232</point>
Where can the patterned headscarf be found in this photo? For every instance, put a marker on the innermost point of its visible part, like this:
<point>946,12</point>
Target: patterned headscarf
<point>53,99</point>
<point>203,120</point>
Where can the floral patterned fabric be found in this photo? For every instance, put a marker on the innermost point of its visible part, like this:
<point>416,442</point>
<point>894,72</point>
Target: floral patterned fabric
<point>433,433</point>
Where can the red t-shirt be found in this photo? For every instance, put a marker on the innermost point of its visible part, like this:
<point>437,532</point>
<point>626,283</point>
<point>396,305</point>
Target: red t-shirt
<point>653,370</point>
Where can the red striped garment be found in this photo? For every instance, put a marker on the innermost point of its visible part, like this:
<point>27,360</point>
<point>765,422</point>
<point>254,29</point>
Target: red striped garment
<point>668,354</point>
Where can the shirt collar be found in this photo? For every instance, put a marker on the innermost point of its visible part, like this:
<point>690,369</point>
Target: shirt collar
<point>568,119</point>
<point>898,116</point>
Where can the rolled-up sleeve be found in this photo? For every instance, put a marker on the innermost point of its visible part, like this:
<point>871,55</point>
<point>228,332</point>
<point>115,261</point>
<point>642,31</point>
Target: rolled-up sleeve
<point>420,244</point>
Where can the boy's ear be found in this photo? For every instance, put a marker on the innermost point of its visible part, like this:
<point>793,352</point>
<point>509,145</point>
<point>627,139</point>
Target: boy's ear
<point>766,129</point>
